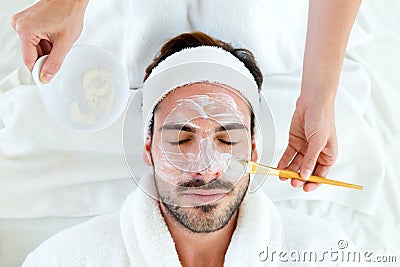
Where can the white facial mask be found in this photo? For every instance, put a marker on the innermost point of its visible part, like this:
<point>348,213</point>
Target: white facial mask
<point>217,106</point>
<point>204,153</point>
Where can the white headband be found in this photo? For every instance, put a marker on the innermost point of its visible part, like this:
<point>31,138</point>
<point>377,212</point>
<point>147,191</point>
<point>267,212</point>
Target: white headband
<point>198,64</point>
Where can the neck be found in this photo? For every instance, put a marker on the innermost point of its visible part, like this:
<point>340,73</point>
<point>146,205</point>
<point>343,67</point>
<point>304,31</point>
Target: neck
<point>199,249</point>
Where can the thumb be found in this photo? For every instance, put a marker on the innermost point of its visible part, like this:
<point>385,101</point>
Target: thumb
<point>53,62</point>
<point>315,147</point>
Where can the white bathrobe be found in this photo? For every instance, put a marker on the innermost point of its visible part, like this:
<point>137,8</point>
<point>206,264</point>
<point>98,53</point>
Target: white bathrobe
<point>138,236</point>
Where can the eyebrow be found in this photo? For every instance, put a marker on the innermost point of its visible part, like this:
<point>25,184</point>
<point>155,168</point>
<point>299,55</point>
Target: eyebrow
<point>231,126</point>
<point>191,129</point>
<point>180,127</point>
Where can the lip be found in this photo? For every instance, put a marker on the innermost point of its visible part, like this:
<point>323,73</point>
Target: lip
<point>206,192</point>
<point>204,196</point>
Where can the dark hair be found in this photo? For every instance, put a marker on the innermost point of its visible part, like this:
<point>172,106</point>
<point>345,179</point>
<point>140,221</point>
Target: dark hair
<point>195,39</point>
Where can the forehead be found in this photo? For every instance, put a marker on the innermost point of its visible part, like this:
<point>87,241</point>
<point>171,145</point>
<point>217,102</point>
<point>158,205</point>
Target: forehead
<point>209,99</point>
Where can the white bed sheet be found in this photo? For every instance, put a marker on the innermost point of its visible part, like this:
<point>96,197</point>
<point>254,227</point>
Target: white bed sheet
<point>377,232</point>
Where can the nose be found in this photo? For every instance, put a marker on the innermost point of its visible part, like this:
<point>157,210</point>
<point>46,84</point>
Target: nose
<point>210,173</point>
<point>208,164</point>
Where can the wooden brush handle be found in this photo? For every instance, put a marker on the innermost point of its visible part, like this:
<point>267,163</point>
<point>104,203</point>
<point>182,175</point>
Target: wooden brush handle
<point>316,179</point>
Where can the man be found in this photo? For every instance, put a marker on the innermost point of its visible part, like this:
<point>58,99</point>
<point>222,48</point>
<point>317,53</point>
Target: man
<point>200,105</point>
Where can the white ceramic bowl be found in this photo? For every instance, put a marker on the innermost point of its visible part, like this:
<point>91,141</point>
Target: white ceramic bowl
<point>89,92</point>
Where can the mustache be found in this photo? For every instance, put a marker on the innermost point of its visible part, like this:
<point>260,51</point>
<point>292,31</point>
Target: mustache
<point>201,184</point>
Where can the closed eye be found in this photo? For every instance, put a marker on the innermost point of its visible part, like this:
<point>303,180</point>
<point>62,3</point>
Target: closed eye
<point>180,142</point>
<point>227,143</point>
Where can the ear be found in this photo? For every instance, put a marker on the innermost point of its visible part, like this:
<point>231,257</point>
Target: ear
<point>147,151</point>
<point>254,153</point>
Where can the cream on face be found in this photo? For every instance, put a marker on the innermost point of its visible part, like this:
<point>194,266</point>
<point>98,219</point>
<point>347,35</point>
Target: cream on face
<point>196,135</point>
<point>203,131</point>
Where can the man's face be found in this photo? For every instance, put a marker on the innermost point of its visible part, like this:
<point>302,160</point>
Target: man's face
<point>198,129</point>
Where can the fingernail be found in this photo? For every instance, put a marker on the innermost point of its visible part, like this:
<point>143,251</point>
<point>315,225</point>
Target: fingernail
<point>46,77</point>
<point>305,174</point>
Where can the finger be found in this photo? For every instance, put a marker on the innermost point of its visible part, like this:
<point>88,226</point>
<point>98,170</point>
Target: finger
<point>322,170</point>
<point>29,54</point>
<point>297,183</point>
<point>287,156</point>
<point>296,162</point>
<point>295,165</point>
<point>319,171</point>
<point>308,187</point>
<point>53,62</point>
<point>310,158</point>
<point>294,182</point>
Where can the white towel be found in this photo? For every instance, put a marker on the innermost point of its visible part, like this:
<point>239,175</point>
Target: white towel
<point>274,31</point>
<point>138,236</point>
